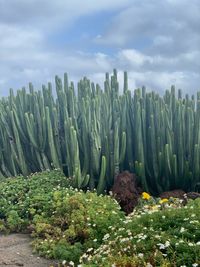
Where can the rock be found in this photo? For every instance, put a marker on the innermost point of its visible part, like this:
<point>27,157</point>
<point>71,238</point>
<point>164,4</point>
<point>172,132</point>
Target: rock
<point>192,195</point>
<point>178,193</point>
<point>126,191</point>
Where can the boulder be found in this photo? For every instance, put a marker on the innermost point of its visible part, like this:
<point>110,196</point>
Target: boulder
<point>192,195</point>
<point>126,191</point>
<point>178,193</point>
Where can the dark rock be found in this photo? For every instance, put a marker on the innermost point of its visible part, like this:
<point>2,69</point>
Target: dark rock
<point>192,195</point>
<point>126,191</point>
<point>174,193</point>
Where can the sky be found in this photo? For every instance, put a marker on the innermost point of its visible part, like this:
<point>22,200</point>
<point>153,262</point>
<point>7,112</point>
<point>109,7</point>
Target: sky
<point>156,41</point>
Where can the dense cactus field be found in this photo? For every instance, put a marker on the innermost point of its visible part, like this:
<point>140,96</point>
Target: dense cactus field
<point>92,134</point>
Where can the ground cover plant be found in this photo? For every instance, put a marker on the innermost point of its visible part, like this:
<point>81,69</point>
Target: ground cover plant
<point>82,228</point>
<point>23,197</point>
<point>92,134</point>
<point>158,233</point>
<point>63,221</point>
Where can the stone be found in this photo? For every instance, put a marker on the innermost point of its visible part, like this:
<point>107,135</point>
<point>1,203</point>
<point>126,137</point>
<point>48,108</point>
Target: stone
<point>126,191</point>
<point>178,193</point>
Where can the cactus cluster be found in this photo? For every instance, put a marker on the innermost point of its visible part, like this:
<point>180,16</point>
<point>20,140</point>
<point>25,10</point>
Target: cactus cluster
<point>93,134</point>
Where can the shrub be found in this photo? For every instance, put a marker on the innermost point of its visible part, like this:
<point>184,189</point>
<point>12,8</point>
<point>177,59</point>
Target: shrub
<point>23,197</point>
<point>169,237</point>
<point>77,224</point>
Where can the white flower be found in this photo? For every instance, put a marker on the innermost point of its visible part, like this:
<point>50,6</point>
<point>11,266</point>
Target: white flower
<point>106,237</point>
<point>195,265</point>
<point>161,246</point>
<point>182,230</point>
<point>167,244</point>
<point>89,249</point>
<point>64,262</point>
<point>149,264</point>
<point>198,243</point>
<point>190,244</point>
<point>71,263</point>
<point>141,255</point>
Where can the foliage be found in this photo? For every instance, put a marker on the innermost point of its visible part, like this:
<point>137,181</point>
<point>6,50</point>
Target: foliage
<point>23,197</point>
<point>64,222</point>
<point>77,223</point>
<point>90,230</point>
<point>168,236</point>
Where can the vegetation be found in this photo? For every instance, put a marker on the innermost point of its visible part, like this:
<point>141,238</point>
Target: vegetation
<point>156,234</point>
<point>24,197</point>
<point>92,134</point>
<point>64,222</point>
<point>82,228</point>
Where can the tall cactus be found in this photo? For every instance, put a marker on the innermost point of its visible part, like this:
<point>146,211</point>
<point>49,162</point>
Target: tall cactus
<point>94,133</point>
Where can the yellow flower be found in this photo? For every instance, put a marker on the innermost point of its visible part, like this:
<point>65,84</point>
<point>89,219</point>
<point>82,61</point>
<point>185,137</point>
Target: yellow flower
<point>146,196</point>
<point>155,207</point>
<point>164,200</point>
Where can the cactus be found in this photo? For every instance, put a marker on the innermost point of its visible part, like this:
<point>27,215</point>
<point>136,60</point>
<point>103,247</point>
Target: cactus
<point>94,133</point>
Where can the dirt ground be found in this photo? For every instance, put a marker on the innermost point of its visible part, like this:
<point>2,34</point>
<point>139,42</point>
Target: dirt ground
<point>15,250</point>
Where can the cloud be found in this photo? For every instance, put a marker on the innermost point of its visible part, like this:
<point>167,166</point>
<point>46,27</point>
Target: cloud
<point>50,14</point>
<point>165,20</point>
<point>157,42</point>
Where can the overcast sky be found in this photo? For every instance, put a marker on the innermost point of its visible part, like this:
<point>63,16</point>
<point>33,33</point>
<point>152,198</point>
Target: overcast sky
<point>156,41</point>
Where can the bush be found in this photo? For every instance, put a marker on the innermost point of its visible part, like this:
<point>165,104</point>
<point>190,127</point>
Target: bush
<point>77,224</point>
<point>22,198</point>
<point>168,237</point>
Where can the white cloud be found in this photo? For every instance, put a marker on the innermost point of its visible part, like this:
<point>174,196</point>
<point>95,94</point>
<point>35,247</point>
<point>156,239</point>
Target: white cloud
<point>50,14</point>
<point>133,57</point>
<point>157,42</point>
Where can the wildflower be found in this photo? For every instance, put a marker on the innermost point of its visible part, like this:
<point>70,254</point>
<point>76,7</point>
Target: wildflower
<point>167,244</point>
<point>154,207</point>
<point>182,230</point>
<point>164,200</point>
<point>161,246</point>
<point>106,237</point>
<point>89,249</point>
<point>146,196</point>
<point>195,265</point>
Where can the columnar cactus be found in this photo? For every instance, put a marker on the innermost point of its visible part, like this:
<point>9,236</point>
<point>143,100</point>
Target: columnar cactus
<point>93,134</point>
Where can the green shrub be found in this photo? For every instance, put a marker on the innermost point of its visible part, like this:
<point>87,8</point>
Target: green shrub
<point>23,197</point>
<point>78,222</point>
<point>169,237</point>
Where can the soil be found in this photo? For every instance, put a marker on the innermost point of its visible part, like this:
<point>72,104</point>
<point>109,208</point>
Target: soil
<point>15,250</point>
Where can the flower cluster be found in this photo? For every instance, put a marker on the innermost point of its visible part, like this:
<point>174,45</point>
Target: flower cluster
<point>167,237</point>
